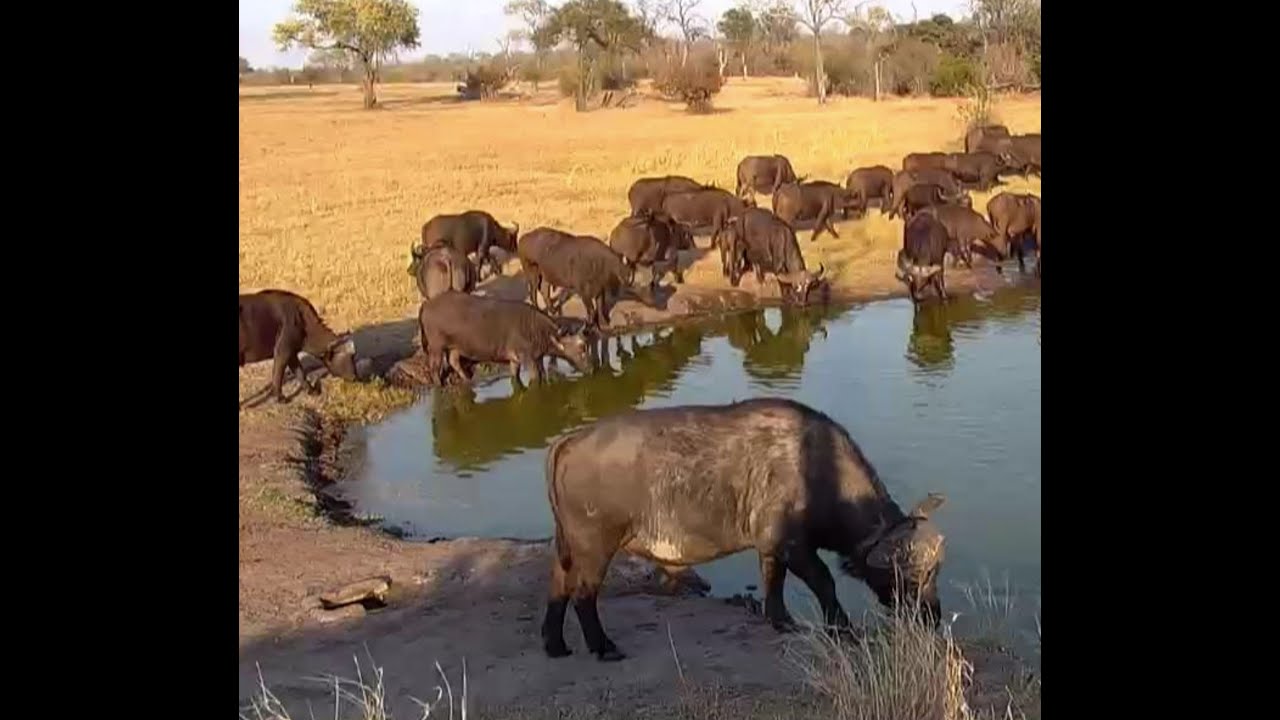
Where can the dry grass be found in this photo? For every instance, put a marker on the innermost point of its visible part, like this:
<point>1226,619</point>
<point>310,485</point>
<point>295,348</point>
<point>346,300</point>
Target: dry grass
<point>898,670</point>
<point>332,196</point>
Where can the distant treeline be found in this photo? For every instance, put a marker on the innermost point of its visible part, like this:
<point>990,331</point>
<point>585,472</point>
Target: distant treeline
<point>867,50</point>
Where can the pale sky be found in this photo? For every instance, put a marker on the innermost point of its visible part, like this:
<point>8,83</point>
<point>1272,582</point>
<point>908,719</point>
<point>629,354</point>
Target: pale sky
<point>461,25</point>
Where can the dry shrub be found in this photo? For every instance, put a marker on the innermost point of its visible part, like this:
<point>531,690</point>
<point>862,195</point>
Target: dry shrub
<point>694,84</point>
<point>485,81</point>
<point>901,670</point>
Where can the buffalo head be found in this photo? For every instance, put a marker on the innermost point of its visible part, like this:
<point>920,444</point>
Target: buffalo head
<point>572,345</point>
<point>902,562</point>
<point>732,246</point>
<point>802,282</point>
<point>512,235</point>
<point>416,253</point>
<point>340,358</point>
<point>909,272</point>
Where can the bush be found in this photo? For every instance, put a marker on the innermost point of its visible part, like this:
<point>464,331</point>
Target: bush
<point>954,76</point>
<point>693,84</point>
<point>568,80</point>
<point>485,81</point>
<point>910,67</point>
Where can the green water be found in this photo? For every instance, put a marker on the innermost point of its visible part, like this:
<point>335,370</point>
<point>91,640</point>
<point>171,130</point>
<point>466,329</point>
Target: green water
<point>943,399</point>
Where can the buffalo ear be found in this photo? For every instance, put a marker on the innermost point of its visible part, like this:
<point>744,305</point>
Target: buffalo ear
<point>927,506</point>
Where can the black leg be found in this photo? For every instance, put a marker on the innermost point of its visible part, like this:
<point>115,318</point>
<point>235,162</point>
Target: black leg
<point>809,568</point>
<point>773,574</point>
<point>592,631</point>
<point>553,623</point>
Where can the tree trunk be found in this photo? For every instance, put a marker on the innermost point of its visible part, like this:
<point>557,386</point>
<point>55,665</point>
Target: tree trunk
<point>819,72</point>
<point>744,66</point>
<point>684,53</point>
<point>370,99</point>
<point>580,97</point>
<point>722,58</point>
<point>877,79</point>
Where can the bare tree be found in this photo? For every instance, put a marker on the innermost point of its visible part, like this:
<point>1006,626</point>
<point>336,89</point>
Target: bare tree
<point>683,14</point>
<point>878,27</point>
<point>815,15</point>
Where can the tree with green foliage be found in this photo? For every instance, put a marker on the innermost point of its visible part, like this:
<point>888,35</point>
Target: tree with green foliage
<point>371,31</point>
<point>738,26</point>
<point>245,67</point>
<point>878,30</point>
<point>591,27</point>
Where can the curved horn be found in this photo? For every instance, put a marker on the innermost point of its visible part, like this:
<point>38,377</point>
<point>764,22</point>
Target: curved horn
<point>821,270</point>
<point>417,251</point>
<point>515,229</point>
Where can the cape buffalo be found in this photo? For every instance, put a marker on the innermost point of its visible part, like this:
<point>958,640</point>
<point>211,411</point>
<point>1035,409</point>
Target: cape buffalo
<point>584,265</point>
<point>817,200</point>
<point>764,243</point>
<point>871,183</point>
<point>905,179</point>
<point>966,228</point>
<point>441,268</point>
<point>985,137</point>
<point>920,161</point>
<point>473,231</point>
<point>981,169</point>
<point>531,249</point>
<point>646,193</point>
<point>687,485</point>
<point>485,329</point>
<point>278,324</point>
<point>653,238</point>
<point>920,261</point>
<point>1014,217</point>
<point>764,174</point>
<point>705,208</point>
<point>923,195</point>
<point>1024,151</point>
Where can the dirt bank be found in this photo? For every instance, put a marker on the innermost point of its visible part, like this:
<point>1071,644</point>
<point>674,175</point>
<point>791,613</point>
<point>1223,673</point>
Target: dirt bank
<point>481,600</point>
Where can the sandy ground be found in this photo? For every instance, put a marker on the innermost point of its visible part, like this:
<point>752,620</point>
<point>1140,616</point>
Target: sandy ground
<point>480,600</point>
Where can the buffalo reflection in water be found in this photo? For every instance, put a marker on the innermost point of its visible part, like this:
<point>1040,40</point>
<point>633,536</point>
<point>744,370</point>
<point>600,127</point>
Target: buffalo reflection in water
<point>776,359</point>
<point>470,435</point>
<point>931,345</point>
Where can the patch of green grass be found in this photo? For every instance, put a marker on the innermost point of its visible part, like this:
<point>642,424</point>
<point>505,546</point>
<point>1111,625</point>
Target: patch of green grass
<point>367,402</point>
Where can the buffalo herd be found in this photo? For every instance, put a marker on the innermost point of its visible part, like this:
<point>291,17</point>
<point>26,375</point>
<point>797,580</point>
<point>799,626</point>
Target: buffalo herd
<point>930,193</point>
<point>686,485</point>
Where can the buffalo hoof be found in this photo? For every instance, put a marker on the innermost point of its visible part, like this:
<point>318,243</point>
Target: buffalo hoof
<point>282,400</point>
<point>610,655</point>
<point>313,389</point>
<point>557,651</point>
<point>784,626</point>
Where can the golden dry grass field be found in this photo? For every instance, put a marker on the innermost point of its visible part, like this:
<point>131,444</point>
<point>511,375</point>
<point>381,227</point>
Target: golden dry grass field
<point>332,196</point>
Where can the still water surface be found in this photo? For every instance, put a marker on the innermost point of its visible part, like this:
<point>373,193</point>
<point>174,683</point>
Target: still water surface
<point>943,399</point>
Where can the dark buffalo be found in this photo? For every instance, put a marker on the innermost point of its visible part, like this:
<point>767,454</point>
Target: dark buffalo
<point>985,137</point>
<point>925,244</point>
<point>966,228</point>
<point>981,169</point>
<point>920,161</point>
<point>764,174</point>
<point>533,246</point>
<point>817,200</point>
<point>1014,217</point>
<point>923,195</point>
<point>708,208</point>
<point>277,324</point>
<point>871,183</point>
<point>441,268</point>
<point>485,329</point>
<point>1024,153</point>
<point>649,240</point>
<point>646,194</point>
<point>763,242</point>
<point>584,265</point>
<point>904,180</point>
<point>473,231</point>
<point>687,485</point>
